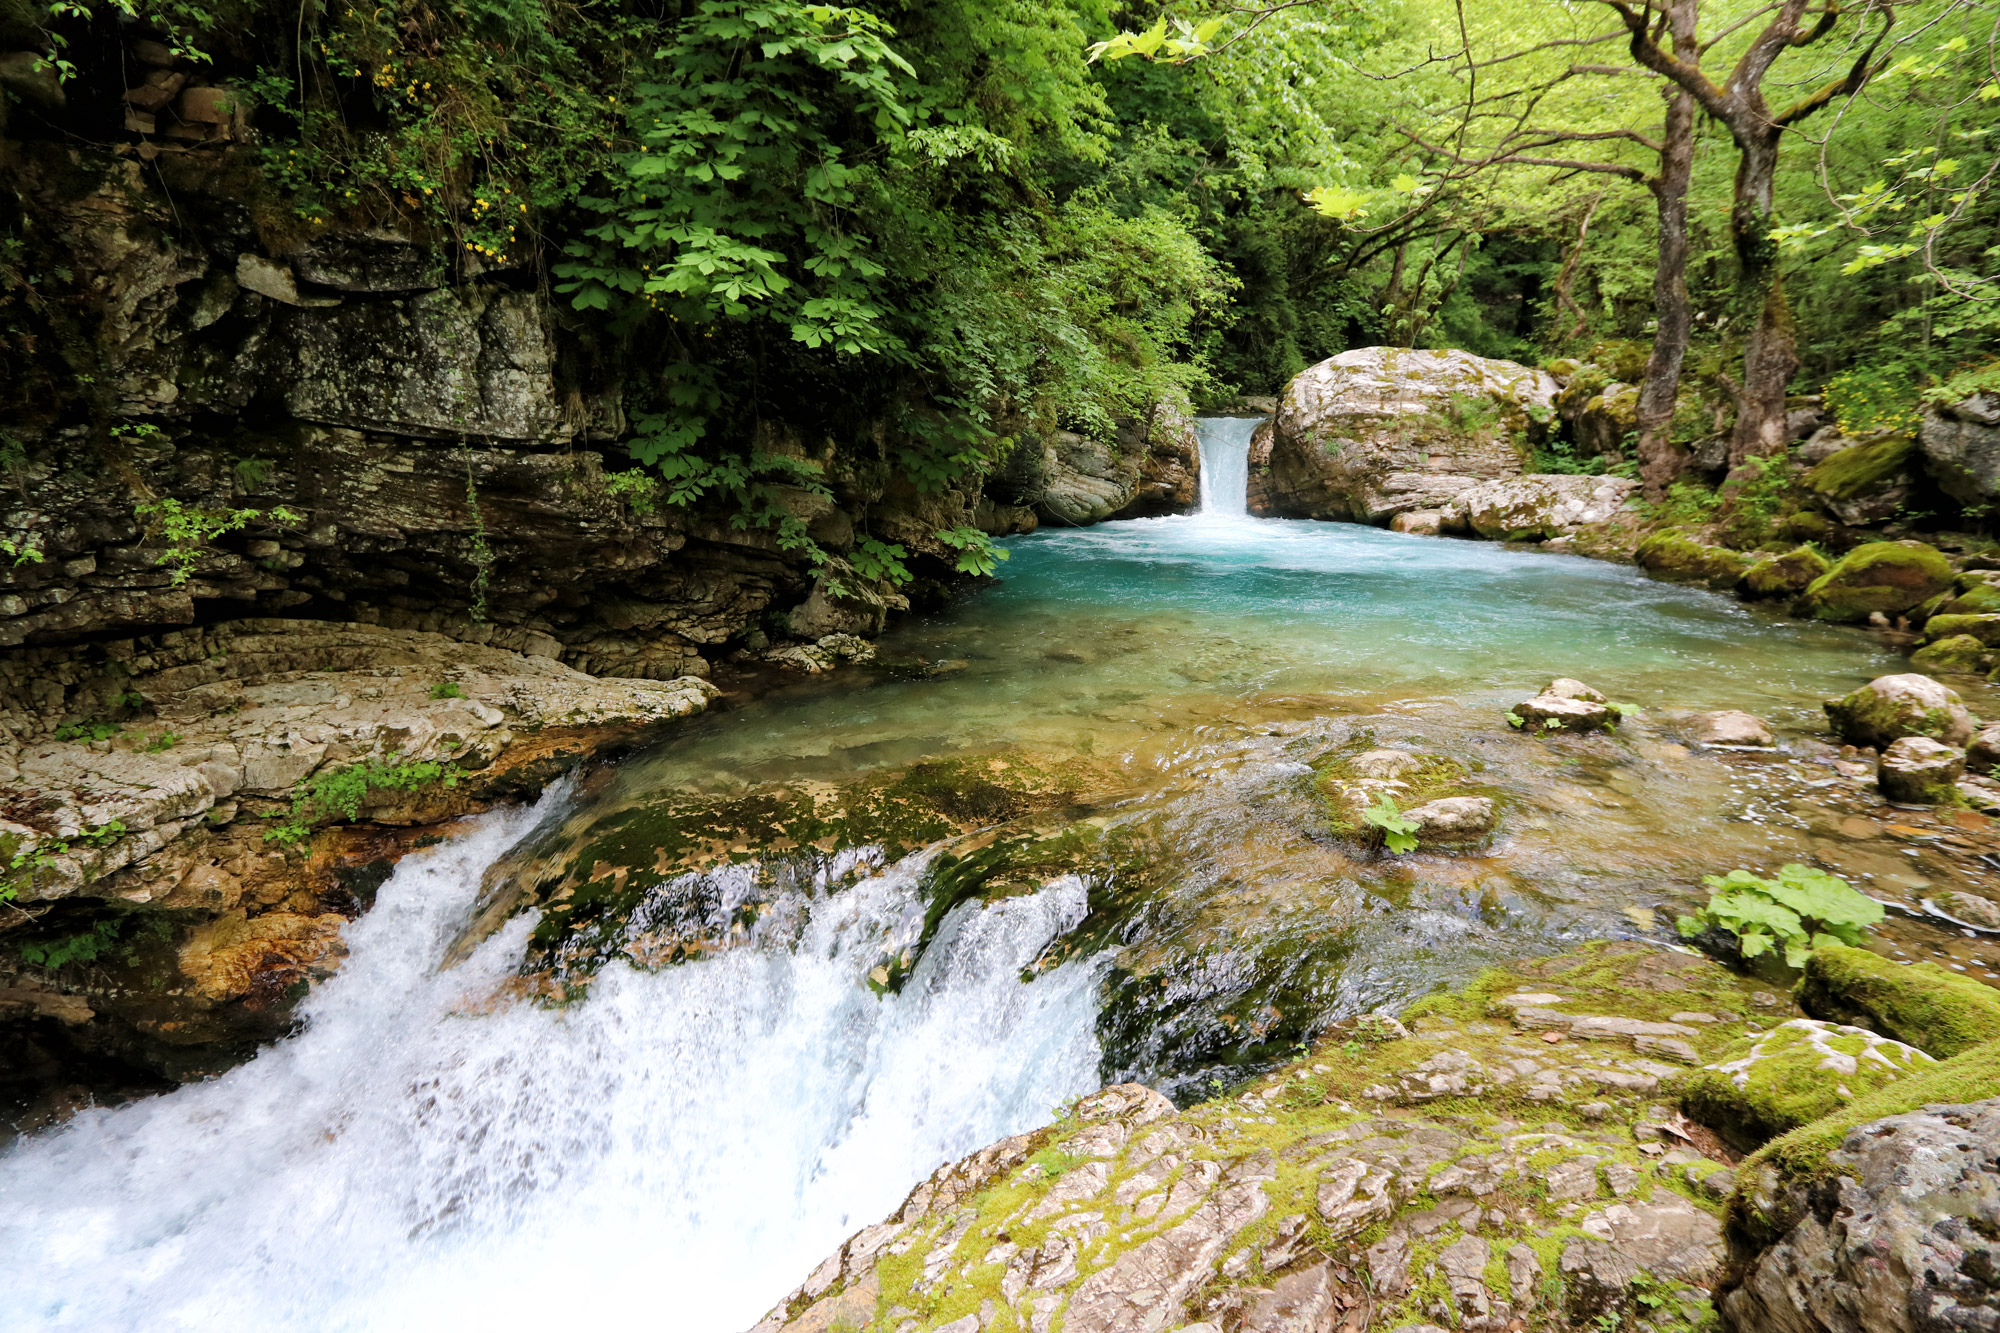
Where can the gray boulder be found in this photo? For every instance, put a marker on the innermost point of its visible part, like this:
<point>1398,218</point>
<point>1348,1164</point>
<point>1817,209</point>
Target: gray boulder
<point>1378,431</point>
<point>1961,446</point>
<point>1539,507</point>
<point>1917,770</point>
<point>1897,1238</point>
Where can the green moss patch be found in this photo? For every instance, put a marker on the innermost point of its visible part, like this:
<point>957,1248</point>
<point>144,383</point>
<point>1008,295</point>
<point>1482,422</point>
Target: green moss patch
<point>1785,575</point>
<point>1773,1082</point>
<point>1985,629</point>
<point>1960,653</point>
<point>1927,1006</point>
<point>1673,554</point>
<point>1800,1157</point>
<point>1860,469</point>
<point>1889,577</point>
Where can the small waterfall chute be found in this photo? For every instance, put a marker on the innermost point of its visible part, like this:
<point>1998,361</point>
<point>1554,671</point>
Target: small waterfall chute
<point>1225,463</point>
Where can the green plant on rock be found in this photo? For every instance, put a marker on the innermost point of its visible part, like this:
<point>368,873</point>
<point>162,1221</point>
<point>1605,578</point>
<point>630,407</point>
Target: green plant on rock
<point>186,529</point>
<point>338,793</point>
<point>447,689</point>
<point>1802,909</point>
<point>1399,832</point>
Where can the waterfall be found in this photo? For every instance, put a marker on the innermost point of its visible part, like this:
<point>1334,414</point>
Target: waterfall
<point>679,1149</point>
<point>1225,462</point>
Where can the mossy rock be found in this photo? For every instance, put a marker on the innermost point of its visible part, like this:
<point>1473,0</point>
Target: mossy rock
<point>1771,1083</point>
<point>1785,575</point>
<point>1981,599</point>
<point>1785,1169</point>
<point>1960,653</point>
<point>1806,526</point>
<point>1924,1005</point>
<point>1889,577</point>
<point>1889,708</point>
<point>1986,629</point>
<point>1673,554</point>
<point>1854,471</point>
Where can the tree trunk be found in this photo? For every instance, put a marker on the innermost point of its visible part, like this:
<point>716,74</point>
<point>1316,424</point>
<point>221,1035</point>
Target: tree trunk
<point>1771,357</point>
<point>1660,459</point>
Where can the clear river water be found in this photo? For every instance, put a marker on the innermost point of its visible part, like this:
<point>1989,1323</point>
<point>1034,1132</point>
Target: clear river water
<point>681,1145</point>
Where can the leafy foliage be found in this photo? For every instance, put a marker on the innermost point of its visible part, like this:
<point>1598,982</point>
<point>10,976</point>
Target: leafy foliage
<point>1398,831</point>
<point>337,793</point>
<point>1798,911</point>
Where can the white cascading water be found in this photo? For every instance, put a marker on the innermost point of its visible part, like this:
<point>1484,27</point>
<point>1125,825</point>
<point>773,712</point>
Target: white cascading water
<point>1225,463</point>
<point>677,1151</point>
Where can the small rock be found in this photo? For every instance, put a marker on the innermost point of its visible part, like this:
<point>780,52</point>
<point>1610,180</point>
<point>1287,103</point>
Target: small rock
<point>1389,1265</point>
<point>1730,728</point>
<point>1452,819</point>
<point>1524,1274</point>
<point>1576,1179</point>
<point>1419,522</point>
<point>1972,909</point>
<point>1983,755</point>
<point>1550,712</point>
<point>1917,770</point>
<point>1563,687</point>
<point>1464,1265</point>
<point>1385,764</point>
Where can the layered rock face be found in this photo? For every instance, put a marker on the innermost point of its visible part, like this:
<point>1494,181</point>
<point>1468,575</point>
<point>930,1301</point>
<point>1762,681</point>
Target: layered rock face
<point>1380,431</point>
<point>175,850</point>
<point>372,426</point>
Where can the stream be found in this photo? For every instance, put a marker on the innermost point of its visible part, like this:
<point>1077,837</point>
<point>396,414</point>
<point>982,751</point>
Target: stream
<point>680,1142</point>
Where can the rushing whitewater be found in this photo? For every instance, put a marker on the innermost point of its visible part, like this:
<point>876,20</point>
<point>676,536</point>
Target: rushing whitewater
<point>678,1149</point>
<point>1225,463</point>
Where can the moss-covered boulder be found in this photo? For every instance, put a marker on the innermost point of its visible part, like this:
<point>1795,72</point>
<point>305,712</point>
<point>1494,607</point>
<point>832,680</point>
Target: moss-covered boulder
<point>1984,628</point>
<point>1917,770</point>
<point>1889,708</point>
<point>1889,577</point>
<point>1960,653</point>
<point>1927,1006</point>
<point>1785,575</point>
<point>1868,483</point>
<point>1972,599</point>
<point>1673,554</point>
<point>1773,1082</point>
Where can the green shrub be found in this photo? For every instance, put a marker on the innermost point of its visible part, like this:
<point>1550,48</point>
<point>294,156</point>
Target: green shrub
<point>1803,909</point>
<point>1869,400</point>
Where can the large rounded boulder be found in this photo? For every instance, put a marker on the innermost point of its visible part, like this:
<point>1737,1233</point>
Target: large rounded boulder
<point>1889,708</point>
<point>1379,431</point>
<point>1886,577</point>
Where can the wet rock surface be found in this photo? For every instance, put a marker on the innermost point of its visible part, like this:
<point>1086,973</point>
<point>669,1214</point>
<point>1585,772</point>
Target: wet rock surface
<point>192,841</point>
<point>1463,1174</point>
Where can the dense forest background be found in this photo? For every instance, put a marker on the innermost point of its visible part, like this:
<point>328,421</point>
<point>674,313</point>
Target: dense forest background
<point>937,222</point>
